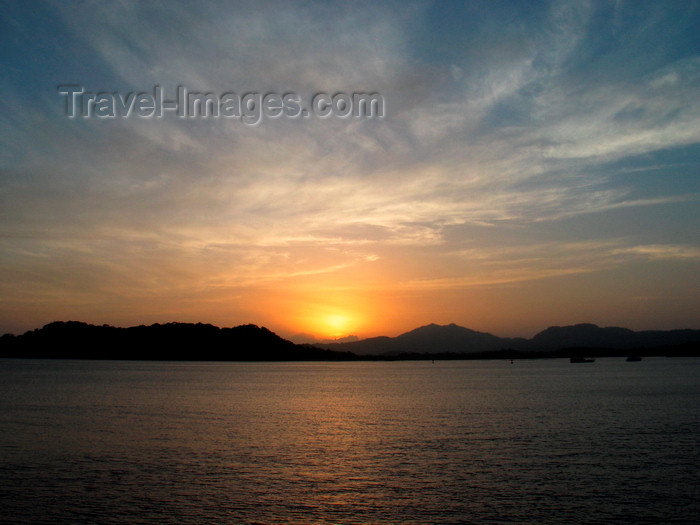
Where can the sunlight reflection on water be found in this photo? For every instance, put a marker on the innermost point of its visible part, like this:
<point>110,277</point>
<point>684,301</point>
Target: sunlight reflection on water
<point>404,442</point>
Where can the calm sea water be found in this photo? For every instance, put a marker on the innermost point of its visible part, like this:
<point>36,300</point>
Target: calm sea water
<point>541,441</point>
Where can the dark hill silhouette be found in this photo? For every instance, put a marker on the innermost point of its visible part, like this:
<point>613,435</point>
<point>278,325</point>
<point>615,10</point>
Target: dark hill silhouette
<point>205,342</point>
<point>592,336</point>
<point>381,345</point>
<point>437,339</point>
<point>171,341</point>
<point>587,335</point>
<point>430,339</point>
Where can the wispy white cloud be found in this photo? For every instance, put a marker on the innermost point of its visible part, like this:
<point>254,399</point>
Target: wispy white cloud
<point>489,266</point>
<point>517,130</point>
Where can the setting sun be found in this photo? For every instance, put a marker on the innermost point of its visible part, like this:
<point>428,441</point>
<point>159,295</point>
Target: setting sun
<point>529,180</point>
<point>331,321</point>
<point>316,261</point>
<point>337,324</point>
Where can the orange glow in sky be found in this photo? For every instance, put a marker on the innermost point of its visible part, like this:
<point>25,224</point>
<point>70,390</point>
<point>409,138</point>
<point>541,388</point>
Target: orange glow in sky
<point>327,318</point>
<point>521,178</point>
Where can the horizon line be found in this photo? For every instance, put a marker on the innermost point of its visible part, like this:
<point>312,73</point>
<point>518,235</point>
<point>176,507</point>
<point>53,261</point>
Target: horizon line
<point>340,340</point>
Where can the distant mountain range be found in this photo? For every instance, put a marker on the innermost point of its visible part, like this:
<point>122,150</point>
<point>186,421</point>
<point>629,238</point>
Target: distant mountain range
<point>437,339</point>
<point>205,342</point>
<point>430,339</point>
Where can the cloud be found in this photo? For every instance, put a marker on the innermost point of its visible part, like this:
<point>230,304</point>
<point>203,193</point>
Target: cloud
<point>506,124</point>
<point>498,265</point>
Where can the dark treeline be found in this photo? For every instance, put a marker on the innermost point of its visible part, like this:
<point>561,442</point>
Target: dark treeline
<point>205,342</point>
<point>171,341</point>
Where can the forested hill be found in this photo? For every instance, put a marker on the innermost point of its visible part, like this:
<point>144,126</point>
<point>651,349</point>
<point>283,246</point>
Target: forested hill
<point>171,341</point>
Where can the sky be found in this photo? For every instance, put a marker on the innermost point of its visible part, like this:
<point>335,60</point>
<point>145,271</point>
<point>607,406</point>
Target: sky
<point>536,164</point>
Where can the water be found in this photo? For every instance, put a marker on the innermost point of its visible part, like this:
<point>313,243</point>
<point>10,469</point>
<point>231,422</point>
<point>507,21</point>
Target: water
<point>541,441</point>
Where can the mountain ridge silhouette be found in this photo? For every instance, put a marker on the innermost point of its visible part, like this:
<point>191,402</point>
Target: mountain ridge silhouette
<point>437,339</point>
<point>249,342</point>
<point>170,341</point>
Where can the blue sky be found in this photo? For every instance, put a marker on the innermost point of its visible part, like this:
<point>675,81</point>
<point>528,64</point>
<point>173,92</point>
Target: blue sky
<point>538,164</point>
